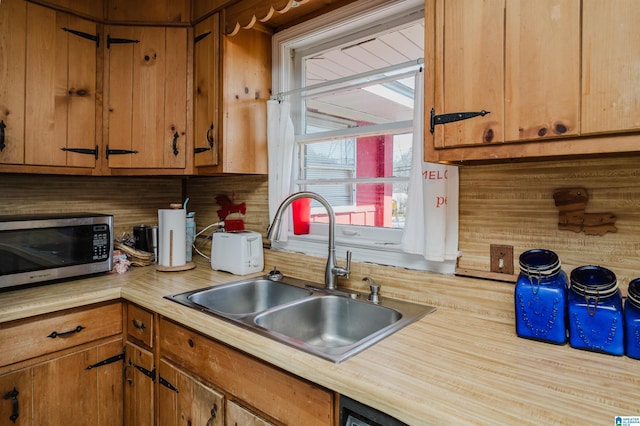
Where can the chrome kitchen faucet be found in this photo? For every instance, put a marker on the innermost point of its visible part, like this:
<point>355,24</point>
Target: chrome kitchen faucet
<point>332,270</point>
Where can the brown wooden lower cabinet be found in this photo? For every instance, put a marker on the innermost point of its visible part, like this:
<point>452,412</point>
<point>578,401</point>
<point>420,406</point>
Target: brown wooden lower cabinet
<point>188,378</point>
<point>63,368</point>
<point>139,379</point>
<point>183,399</point>
<point>267,393</point>
<point>62,391</point>
<point>240,416</point>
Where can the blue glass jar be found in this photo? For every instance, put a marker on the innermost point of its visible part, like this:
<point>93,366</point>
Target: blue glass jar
<point>541,297</point>
<point>596,320</point>
<point>632,320</point>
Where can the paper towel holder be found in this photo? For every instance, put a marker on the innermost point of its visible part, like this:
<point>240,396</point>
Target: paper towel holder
<point>188,265</point>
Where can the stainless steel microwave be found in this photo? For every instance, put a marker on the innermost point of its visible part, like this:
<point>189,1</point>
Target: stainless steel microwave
<point>38,248</point>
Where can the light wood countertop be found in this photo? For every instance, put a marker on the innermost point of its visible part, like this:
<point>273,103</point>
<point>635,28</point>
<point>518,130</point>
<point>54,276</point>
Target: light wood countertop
<point>462,364</point>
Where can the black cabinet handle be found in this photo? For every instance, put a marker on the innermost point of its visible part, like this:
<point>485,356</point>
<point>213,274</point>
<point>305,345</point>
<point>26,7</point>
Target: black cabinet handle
<point>210,141</point>
<point>175,144</point>
<point>214,414</point>
<point>2,127</point>
<point>64,334</point>
<point>15,405</point>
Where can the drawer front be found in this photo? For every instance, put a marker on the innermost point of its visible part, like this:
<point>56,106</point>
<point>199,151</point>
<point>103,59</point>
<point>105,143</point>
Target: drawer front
<point>40,335</point>
<point>140,325</point>
<point>276,393</point>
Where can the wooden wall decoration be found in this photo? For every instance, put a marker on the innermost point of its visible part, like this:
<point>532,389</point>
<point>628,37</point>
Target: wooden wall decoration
<point>246,14</point>
<point>571,204</point>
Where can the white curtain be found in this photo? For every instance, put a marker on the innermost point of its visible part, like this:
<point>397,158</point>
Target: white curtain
<point>431,226</point>
<point>280,142</point>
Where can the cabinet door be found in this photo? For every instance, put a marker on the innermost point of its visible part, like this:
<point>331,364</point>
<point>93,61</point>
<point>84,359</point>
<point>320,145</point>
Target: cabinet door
<point>239,416</point>
<point>469,70</point>
<point>138,387</point>
<point>246,85</point>
<point>66,393</point>
<point>16,398</point>
<point>504,57</point>
<point>542,69</point>
<point>13,17</point>
<point>185,400</point>
<point>279,395</point>
<point>207,82</point>
<point>147,97</point>
<point>610,70</point>
<point>60,91</point>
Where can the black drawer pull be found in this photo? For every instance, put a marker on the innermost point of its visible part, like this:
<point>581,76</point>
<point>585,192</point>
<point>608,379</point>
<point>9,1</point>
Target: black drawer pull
<point>139,325</point>
<point>64,334</point>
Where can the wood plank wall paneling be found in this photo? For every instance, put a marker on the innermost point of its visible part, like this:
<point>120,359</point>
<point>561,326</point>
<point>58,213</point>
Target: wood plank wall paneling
<point>513,204</point>
<point>132,201</point>
<point>509,204</point>
<point>252,190</point>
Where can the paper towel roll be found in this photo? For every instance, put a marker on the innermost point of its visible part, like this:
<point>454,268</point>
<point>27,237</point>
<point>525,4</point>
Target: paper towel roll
<point>172,237</point>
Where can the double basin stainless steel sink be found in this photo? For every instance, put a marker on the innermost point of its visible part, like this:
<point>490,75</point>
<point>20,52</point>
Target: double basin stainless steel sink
<point>331,324</point>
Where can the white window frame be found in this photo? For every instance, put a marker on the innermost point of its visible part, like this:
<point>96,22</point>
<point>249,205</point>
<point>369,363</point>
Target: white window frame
<point>368,244</point>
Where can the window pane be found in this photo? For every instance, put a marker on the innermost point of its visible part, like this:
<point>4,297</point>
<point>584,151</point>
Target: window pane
<point>371,204</point>
<point>364,105</point>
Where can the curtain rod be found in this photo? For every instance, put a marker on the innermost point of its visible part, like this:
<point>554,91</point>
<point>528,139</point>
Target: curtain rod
<point>406,65</point>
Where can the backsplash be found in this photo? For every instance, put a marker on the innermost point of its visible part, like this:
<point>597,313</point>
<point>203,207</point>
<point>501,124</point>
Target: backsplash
<point>132,201</point>
<point>512,204</point>
<point>507,204</point>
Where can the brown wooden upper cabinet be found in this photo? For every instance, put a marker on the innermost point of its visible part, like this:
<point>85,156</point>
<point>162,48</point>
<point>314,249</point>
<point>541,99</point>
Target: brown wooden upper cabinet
<point>520,61</point>
<point>147,98</point>
<point>610,70</point>
<point>47,89</point>
<point>149,11</point>
<point>207,91</point>
<point>231,110</point>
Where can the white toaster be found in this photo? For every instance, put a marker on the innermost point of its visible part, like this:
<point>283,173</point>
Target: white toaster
<point>238,252</point>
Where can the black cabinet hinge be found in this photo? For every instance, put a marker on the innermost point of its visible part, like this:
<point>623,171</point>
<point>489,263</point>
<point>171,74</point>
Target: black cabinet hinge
<point>166,384</point>
<point>149,373</point>
<point>202,36</point>
<point>119,151</point>
<point>114,40</point>
<point>109,360</point>
<point>95,38</point>
<point>86,151</point>
<point>453,117</point>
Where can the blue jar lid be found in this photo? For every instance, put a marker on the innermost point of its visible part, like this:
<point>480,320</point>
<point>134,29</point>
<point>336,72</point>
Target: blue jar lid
<point>593,280</point>
<point>540,263</point>
<point>633,293</point>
